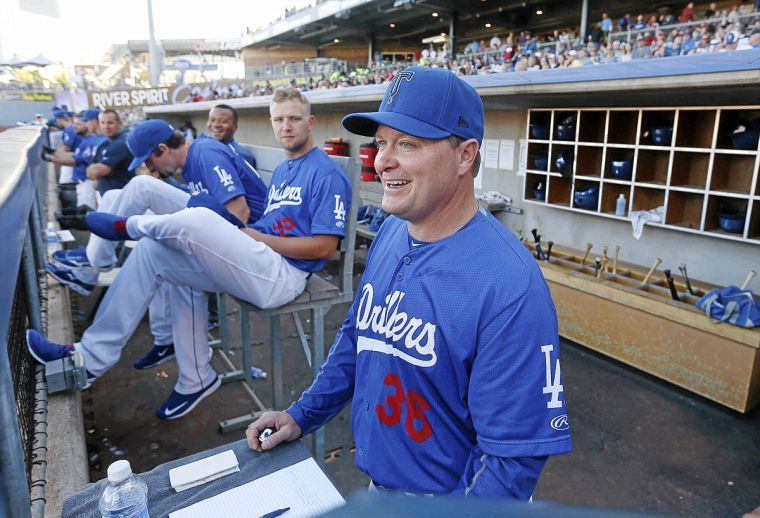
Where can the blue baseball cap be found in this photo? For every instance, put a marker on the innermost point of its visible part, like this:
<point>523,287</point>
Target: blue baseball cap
<point>145,138</point>
<point>426,103</point>
<point>90,114</point>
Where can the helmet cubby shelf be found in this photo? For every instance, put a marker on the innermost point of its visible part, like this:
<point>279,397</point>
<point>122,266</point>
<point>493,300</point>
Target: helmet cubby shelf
<point>700,163</point>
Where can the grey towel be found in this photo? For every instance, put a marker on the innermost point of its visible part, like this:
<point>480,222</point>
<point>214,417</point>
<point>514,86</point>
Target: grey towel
<point>162,499</point>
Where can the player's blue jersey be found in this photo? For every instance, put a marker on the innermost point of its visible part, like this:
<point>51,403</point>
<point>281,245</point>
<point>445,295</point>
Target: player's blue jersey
<point>115,154</point>
<point>237,148</point>
<point>451,354</point>
<point>213,168</point>
<point>70,137</point>
<point>307,196</point>
<point>84,154</point>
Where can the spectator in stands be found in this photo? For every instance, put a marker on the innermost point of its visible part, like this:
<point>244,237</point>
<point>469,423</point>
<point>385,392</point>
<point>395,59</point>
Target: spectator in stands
<point>639,24</point>
<point>711,10</point>
<point>606,26</point>
<point>624,22</point>
<point>687,15</point>
<point>495,42</point>
<point>641,50</point>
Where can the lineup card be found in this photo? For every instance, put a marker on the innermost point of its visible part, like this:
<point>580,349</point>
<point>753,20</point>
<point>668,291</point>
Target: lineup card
<point>303,487</point>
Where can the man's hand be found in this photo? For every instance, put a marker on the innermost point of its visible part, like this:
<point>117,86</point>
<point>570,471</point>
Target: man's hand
<point>286,426</point>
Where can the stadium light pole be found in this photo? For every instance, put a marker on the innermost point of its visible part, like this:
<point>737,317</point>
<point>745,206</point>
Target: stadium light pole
<point>155,65</point>
<point>584,20</point>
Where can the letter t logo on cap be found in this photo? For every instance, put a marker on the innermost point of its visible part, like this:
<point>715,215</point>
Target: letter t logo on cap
<point>406,75</point>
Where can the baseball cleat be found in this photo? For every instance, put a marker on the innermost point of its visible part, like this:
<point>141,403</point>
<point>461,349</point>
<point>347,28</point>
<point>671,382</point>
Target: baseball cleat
<point>43,350</point>
<point>74,258</point>
<point>156,356</point>
<point>179,405</point>
<point>67,277</point>
<point>107,226</point>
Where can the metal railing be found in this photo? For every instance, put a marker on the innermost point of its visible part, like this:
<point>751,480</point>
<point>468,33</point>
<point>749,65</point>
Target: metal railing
<point>301,69</point>
<point>23,294</point>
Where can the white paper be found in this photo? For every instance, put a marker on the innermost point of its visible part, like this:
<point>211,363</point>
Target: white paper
<point>523,157</point>
<point>507,154</point>
<point>479,177</point>
<point>491,153</point>
<point>303,487</point>
<point>65,236</point>
<point>204,470</point>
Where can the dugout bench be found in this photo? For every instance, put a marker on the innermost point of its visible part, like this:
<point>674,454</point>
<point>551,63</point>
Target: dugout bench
<point>317,298</point>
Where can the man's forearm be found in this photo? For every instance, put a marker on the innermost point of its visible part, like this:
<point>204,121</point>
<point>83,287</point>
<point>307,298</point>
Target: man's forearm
<point>309,247</point>
<point>95,171</point>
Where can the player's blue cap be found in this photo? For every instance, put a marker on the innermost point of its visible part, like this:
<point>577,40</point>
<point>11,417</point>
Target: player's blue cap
<point>61,114</point>
<point>427,103</point>
<point>145,138</point>
<point>90,114</point>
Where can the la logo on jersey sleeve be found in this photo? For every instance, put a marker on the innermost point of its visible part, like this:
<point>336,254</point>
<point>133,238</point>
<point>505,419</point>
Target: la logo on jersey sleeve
<point>340,212</point>
<point>225,178</point>
<point>554,388</point>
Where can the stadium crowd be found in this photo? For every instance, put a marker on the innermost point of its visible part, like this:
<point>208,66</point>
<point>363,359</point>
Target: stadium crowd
<point>642,37</point>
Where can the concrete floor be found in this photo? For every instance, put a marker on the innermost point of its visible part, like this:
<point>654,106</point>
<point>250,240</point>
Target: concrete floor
<point>638,443</point>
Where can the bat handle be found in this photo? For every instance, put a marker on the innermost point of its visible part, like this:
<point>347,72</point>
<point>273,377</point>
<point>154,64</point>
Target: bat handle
<point>614,263</point>
<point>750,275</point>
<point>650,272</point>
<point>589,246</point>
<point>550,244</point>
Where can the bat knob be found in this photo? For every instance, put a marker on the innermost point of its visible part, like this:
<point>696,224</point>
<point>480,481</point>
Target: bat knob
<point>666,272</point>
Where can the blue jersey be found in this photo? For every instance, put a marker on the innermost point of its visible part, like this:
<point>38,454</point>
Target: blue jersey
<point>116,155</point>
<point>84,154</point>
<point>70,137</point>
<point>234,146</point>
<point>450,354</point>
<point>307,196</point>
<point>212,168</point>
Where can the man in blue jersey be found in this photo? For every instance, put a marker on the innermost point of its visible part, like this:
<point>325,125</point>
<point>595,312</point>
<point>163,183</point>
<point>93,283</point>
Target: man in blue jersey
<point>71,129</point>
<point>82,156</point>
<point>110,169</point>
<point>450,351</point>
<point>222,124</point>
<point>266,263</point>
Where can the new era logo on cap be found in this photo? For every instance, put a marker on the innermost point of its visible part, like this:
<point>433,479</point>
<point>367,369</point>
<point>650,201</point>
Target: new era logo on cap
<point>427,103</point>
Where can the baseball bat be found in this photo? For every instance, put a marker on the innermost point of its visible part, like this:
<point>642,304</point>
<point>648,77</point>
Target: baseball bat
<point>585,256</point>
<point>671,285</point>
<point>597,265</point>
<point>604,268</point>
<point>651,271</point>
<point>682,267</point>
<point>540,252</point>
<point>549,250</point>
<point>536,236</point>
<point>750,275</point>
<point>604,255</point>
<point>614,263</point>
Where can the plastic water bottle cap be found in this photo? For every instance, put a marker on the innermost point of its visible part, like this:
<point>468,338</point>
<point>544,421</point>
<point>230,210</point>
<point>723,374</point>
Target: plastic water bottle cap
<point>118,471</point>
<point>621,197</point>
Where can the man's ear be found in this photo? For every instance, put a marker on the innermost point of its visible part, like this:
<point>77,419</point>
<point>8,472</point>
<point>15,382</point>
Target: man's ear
<point>468,152</point>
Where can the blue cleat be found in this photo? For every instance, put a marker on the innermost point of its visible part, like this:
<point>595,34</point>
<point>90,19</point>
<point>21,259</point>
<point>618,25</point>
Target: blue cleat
<point>43,350</point>
<point>74,258</point>
<point>66,276</point>
<point>107,226</point>
<point>179,405</point>
<point>156,356</point>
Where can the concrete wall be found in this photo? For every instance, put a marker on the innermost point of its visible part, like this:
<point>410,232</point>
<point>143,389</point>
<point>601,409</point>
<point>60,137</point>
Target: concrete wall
<point>708,259</point>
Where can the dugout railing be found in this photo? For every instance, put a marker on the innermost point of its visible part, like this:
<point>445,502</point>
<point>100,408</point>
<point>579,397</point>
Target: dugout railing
<point>23,302</point>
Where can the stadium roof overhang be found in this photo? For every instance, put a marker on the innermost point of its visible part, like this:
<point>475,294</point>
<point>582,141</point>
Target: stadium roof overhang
<point>409,22</point>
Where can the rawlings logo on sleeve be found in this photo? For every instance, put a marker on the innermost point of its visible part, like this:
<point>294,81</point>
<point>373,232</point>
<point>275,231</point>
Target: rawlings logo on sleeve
<point>418,337</point>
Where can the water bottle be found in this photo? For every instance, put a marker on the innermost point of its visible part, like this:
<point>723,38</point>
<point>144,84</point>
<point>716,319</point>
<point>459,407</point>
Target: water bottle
<point>620,206</point>
<point>126,495</point>
<point>52,235</point>
<point>257,373</point>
